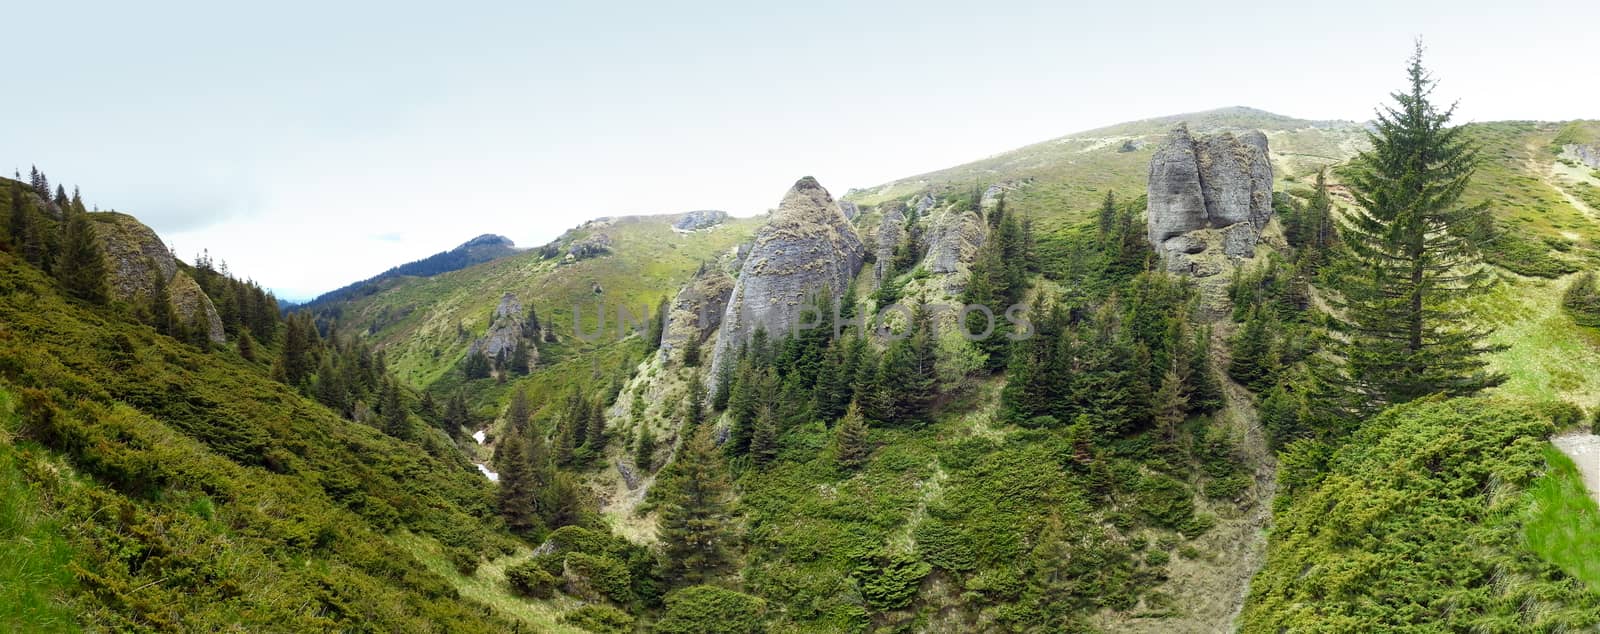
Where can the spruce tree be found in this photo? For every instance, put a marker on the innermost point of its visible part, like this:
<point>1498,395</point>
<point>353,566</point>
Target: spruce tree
<point>695,513</point>
<point>851,447</point>
<point>1413,255</point>
<point>691,351</point>
<point>517,495</point>
<point>911,373</point>
<point>694,407</point>
<point>247,346</point>
<point>518,411</point>
<point>644,453</point>
<point>764,437</point>
<point>595,435</point>
<point>395,420</point>
<point>82,267</point>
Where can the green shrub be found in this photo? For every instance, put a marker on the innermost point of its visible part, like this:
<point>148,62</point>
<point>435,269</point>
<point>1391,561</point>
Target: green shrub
<point>602,619</point>
<point>530,579</point>
<point>712,610</point>
<point>1164,501</point>
<point>945,546</point>
<point>1582,300</point>
<point>604,575</point>
<point>891,581</point>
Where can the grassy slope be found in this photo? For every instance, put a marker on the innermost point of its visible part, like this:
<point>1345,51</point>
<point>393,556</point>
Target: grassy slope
<point>35,584</point>
<point>1563,522</point>
<point>416,320</point>
<point>195,493</point>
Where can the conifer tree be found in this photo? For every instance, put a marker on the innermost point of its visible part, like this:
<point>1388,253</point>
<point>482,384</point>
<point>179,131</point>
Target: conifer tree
<point>723,390</point>
<point>764,437</point>
<point>456,414</point>
<point>518,411</point>
<point>1413,254</point>
<point>1202,390</point>
<point>520,359</point>
<point>517,495</point>
<point>911,372</point>
<point>331,390</point>
<point>595,435</point>
<point>82,267</point>
<point>851,448</point>
<point>1251,349</point>
<point>695,513</point>
<point>694,408</point>
<point>477,365</point>
<point>644,453</point>
<point>247,346</point>
<point>163,317</point>
<point>395,421</point>
<point>691,351</point>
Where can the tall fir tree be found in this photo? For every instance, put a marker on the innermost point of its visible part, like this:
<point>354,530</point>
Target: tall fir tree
<point>396,420</point>
<point>695,513</point>
<point>81,267</point>
<point>850,444</point>
<point>1413,255</point>
<point>764,437</point>
<point>517,493</point>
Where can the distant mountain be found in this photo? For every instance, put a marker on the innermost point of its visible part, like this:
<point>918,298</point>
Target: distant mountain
<point>475,251</point>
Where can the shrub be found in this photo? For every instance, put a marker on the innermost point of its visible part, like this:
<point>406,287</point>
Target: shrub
<point>1582,300</point>
<point>602,619</point>
<point>529,579</point>
<point>712,610</point>
<point>601,574</point>
<point>891,581</point>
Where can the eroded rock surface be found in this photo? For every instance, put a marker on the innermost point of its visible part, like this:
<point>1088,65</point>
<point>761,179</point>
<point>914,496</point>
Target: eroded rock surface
<point>1209,197</point>
<point>136,257</point>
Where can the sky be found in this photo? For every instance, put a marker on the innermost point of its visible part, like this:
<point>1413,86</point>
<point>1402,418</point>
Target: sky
<point>312,144</point>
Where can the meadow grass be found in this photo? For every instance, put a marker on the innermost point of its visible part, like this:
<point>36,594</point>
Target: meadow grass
<point>34,577</point>
<point>1548,356</point>
<point>488,586</point>
<point>1563,522</point>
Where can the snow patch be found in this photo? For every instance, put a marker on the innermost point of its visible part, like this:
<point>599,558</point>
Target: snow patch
<point>492,476</point>
<point>479,436</point>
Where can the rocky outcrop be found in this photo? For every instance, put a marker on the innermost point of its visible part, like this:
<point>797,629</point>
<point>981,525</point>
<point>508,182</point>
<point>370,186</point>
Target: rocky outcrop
<point>924,204</point>
<point>956,239</point>
<point>506,329</point>
<point>1214,181</point>
<point>849,209</point>
<point>1221,182</point>
<point>891,230</point>
<point>136,257</point>
<point>806,247</point>
<point>1586,154</point>
<point>991,196</point>
<point>697,310</point>
<point>697,220</point>
<point>592,246</point>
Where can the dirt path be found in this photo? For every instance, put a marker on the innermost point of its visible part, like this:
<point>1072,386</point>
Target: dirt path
<point>1583,449</point>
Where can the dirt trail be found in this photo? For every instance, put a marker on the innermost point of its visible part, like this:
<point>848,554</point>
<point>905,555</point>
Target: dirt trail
<point>1584,450</point>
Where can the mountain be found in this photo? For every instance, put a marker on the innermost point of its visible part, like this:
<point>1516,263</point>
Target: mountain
<point>656,423</point>
<point>477,250</point>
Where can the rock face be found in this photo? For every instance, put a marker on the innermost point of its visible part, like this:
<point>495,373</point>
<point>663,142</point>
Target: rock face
<point>1215,182</point>
<point>697,310</point>
<point>592,246</point>
<point>505,330</point>
<point>956,239</point>
<point>1586,154</point>
<point>697,220</point>
<point>991,196</point>
<point>890,231</point>
<point>135,255</point>
<point>849,209</point>
<point>1221,182</point>
<point>806,247</point>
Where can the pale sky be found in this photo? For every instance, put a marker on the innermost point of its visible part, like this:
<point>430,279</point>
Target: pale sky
<point>311,144</point>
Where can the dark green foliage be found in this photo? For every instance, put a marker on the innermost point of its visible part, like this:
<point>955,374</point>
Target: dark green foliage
<point>891,581</point>
<point>657,329</point>
<point>1582,300</point>
<point>477,365</point>
<point>518,489</point>
<point>1091,369</point>
<point>602,574</point>
<point>852,448</point>
<point>644,452</point>
<point>764,437</point>
<point>912,379</point>
<point>529,579</point>
<point>712,610</point>
<point>695,512</point>
<point>1413,253</point>
<point>602,619</point>
<point>1251,361</point>
<point>1420,510</point>
<point>81,267</point>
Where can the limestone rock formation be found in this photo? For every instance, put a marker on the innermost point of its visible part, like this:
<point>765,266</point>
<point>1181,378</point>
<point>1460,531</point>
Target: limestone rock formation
<point>135,256</point>
<point>957,236</point>
<point>698,309</point>
<point>505,330</point>
<point>890,231</point>
<point>1211,192</point>
<point>806,247</point>
<point>697,220</point>
<point>849,209</point>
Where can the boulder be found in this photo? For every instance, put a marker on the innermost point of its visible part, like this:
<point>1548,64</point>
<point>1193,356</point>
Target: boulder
<point>806,247</point>
<point>697,220</point>
<point>592,246</point>
<point>188,299</point>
